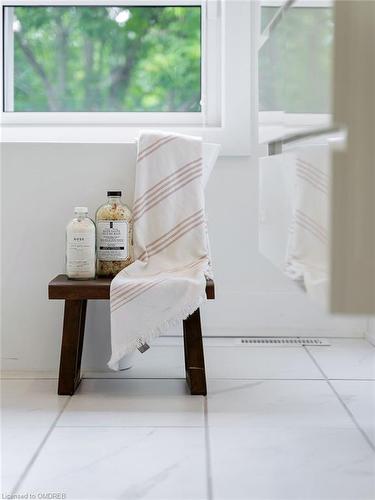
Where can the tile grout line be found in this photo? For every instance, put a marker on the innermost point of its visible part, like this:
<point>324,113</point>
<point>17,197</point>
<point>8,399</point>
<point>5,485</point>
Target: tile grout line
<point>67,426</point>
<point>38,450</point>
<point>343,404</point>
<point>211,378</point>
<point>208,451</point>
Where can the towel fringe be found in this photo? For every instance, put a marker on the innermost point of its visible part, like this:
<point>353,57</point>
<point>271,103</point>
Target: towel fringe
<point>155,332</point>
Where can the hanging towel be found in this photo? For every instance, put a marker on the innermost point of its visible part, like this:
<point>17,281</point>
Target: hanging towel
<point>276,193</point>
<point>167,280</point>
<point>307,251</point>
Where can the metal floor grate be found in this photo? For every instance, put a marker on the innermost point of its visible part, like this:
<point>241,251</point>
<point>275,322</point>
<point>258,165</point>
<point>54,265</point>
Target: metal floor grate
<point>283,341</point>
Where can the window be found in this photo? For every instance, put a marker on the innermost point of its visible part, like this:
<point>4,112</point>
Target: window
<point>96,58</point>
<point>100,71</point>
<point>295,62</point>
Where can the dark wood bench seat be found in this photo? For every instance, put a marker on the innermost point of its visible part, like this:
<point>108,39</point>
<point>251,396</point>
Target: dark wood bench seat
<point>76,294</point>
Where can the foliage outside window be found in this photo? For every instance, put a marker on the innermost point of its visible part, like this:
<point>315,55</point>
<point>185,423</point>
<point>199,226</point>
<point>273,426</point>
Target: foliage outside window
<point>107,59</point>
<point>295,63</point>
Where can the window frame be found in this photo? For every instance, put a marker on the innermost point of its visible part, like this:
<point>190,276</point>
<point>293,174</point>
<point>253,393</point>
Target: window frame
<point>226,87</point>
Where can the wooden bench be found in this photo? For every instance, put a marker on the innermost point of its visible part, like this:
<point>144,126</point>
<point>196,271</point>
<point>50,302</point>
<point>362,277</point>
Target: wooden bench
<point>76,294</point>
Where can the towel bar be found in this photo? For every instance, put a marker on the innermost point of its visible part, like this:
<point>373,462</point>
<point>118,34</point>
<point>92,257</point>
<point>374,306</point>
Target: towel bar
<point>276,145</point>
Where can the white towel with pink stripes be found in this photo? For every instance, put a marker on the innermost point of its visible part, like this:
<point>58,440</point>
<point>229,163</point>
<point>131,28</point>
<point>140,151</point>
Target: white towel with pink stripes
<point>167,280</point>
<point>307,252</point>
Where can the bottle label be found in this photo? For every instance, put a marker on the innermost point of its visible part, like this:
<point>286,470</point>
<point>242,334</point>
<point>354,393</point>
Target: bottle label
<point>112,240</point>
<point>80,254</point>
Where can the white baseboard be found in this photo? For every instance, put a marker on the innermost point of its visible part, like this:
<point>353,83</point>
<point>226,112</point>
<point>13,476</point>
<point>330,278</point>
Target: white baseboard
<point>28,374</point>
<point>281,332</point>
<point>163,346</point>
<point>271,332</point>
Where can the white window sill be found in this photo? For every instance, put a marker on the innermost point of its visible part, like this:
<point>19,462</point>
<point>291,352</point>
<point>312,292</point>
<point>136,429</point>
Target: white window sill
<point>273,125</point>
<point>231,144</point>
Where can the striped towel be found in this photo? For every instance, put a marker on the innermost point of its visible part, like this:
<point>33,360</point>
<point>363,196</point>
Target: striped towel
<point>167,280</point>
<point>307,253</point>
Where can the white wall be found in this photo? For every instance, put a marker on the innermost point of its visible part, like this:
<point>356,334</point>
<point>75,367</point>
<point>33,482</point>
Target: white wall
<point>41,183</point>
<point>371,331</point>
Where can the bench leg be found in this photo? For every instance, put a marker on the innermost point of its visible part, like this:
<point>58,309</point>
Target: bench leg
<point>71,346</point>
<point>194,356</point>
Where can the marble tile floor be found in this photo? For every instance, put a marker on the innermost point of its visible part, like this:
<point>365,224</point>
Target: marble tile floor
<point>277,424</point>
